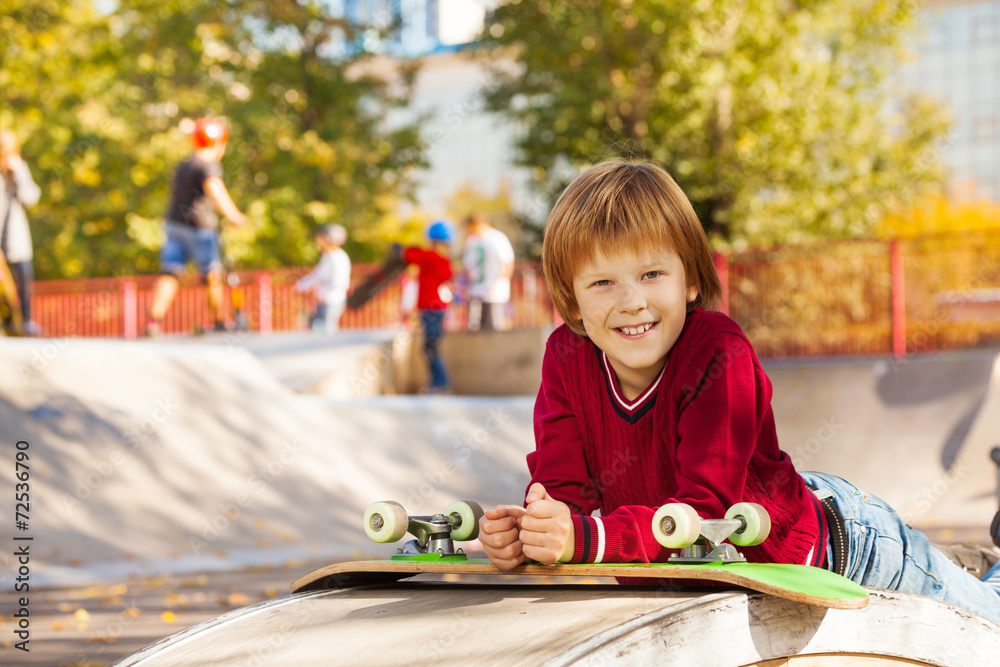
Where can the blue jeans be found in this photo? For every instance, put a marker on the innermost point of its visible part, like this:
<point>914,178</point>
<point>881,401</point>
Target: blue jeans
<point>326,319</point>
<point>883,552</point>
<point>185,244</point>
<point>433,323</point>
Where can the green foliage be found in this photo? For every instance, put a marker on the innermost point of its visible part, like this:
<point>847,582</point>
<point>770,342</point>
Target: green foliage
<point>99,101</point>
<point>776,117</point>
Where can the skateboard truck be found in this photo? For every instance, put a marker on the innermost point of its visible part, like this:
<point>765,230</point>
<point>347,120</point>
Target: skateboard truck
<point>433,535</point>
<point>436,534</point>
<point>678,526</point>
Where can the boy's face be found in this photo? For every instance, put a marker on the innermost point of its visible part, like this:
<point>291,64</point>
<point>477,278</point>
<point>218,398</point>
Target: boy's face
<point>633,308</point>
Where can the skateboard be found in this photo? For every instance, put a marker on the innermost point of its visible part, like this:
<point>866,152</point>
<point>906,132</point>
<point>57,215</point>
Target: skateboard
<point>388,271</point>
<point>10,304</point>
<point>703,557</point>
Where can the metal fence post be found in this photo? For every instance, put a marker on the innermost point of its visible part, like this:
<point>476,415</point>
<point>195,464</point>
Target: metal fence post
<point>898,299</point>
<point>265,304</point>
<point>130,309</point>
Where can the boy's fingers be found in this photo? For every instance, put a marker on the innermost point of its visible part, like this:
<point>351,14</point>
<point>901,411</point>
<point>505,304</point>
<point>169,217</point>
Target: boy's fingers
<point>505,510</point>
<point>496,526</point>
<point>546,509</point>
<point>536,492</point>
<point>500,519</point>
<point>504,544</point>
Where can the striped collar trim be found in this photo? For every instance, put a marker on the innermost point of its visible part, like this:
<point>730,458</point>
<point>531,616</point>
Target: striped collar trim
<point>613,385</point>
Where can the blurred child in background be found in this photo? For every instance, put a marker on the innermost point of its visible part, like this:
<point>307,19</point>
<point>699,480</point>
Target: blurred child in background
<point>330,279</point>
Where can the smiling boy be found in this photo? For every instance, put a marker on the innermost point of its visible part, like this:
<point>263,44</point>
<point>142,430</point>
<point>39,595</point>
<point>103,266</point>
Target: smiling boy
<point>648,397</point>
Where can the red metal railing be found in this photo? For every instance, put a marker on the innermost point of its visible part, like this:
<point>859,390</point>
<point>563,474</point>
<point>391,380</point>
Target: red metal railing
<point>866,297</point>
<point>118,306</point>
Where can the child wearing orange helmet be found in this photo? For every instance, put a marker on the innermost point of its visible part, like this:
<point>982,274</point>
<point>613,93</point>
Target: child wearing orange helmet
<point>192,226</point>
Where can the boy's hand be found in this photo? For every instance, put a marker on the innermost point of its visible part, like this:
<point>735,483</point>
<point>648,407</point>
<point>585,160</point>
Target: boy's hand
<point>498,533</point>
<point>546,529</point>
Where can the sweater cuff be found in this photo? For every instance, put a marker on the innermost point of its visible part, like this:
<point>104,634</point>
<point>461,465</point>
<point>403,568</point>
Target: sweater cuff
<point>591,538</point>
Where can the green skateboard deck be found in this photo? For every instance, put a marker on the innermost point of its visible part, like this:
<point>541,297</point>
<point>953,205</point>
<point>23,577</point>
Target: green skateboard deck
<point>704,558</point>
<point>799,583</point>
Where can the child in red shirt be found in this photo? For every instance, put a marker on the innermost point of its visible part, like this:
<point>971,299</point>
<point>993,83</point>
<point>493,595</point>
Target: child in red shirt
<point>647,398</point>
<point>433,296</point>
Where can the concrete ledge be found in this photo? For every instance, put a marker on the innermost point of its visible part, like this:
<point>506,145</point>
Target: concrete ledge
<point>578,625</point>
<point>496,363</point>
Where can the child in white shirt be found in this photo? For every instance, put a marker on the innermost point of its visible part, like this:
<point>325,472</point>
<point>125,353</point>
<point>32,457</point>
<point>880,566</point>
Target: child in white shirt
<point>330,279</point>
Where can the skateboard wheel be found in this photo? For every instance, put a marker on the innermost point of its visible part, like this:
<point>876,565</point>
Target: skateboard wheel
<point>757,520</point>
<point>995,529</point>
<point>470,513</point>
<point>676,525</point>
<point>386,521</point>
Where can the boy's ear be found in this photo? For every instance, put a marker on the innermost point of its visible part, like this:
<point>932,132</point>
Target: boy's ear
<point>692,293</point>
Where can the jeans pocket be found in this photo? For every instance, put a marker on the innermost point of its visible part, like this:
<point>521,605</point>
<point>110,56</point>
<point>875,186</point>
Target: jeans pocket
<point>873,501</point>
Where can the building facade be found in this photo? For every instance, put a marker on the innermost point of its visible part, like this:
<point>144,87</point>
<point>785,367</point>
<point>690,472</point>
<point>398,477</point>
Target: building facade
<point>958,63</point>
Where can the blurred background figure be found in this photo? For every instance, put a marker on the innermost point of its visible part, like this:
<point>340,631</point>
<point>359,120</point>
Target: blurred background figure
<point>17,190</point>
<point>434,296</point>
<point>330,280</point>
<point>192,226</point>
<point>488,260</point>
<point>409,287</point>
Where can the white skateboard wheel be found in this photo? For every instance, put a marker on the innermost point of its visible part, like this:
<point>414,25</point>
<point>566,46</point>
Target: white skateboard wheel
<point>758,524</point>
<point>470,512</point>
<point>386,521</point>
<point>676,525</point>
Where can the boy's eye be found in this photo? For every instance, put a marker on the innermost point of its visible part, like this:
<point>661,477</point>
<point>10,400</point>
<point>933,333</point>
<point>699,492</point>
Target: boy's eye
<point>602,283</point>
<point>651,274</point>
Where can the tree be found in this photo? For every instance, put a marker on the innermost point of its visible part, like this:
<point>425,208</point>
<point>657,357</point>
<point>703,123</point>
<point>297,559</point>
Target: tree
<point>937,214</point>
<point>102,99</point>
<point>777,118</point>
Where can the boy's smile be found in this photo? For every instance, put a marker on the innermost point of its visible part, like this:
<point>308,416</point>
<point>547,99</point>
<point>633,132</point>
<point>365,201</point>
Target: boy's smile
<point>633,308</point>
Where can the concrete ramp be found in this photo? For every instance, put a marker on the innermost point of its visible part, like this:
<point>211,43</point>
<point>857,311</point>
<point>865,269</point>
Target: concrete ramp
<point>149,457</point>
<point>915,432</point>
<point>460,624</point>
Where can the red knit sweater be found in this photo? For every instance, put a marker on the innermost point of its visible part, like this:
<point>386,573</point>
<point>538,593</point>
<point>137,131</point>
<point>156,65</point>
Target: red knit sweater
<point>703,433</point>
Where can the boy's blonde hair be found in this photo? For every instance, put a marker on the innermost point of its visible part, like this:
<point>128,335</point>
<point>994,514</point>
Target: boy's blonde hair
<point>617,207</point>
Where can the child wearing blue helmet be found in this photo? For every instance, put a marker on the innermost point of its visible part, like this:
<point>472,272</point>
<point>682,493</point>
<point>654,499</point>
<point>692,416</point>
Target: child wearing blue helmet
<point>434,296</point>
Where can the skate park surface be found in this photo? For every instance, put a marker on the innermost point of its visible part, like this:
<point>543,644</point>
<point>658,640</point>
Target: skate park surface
<point>235,454</point>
